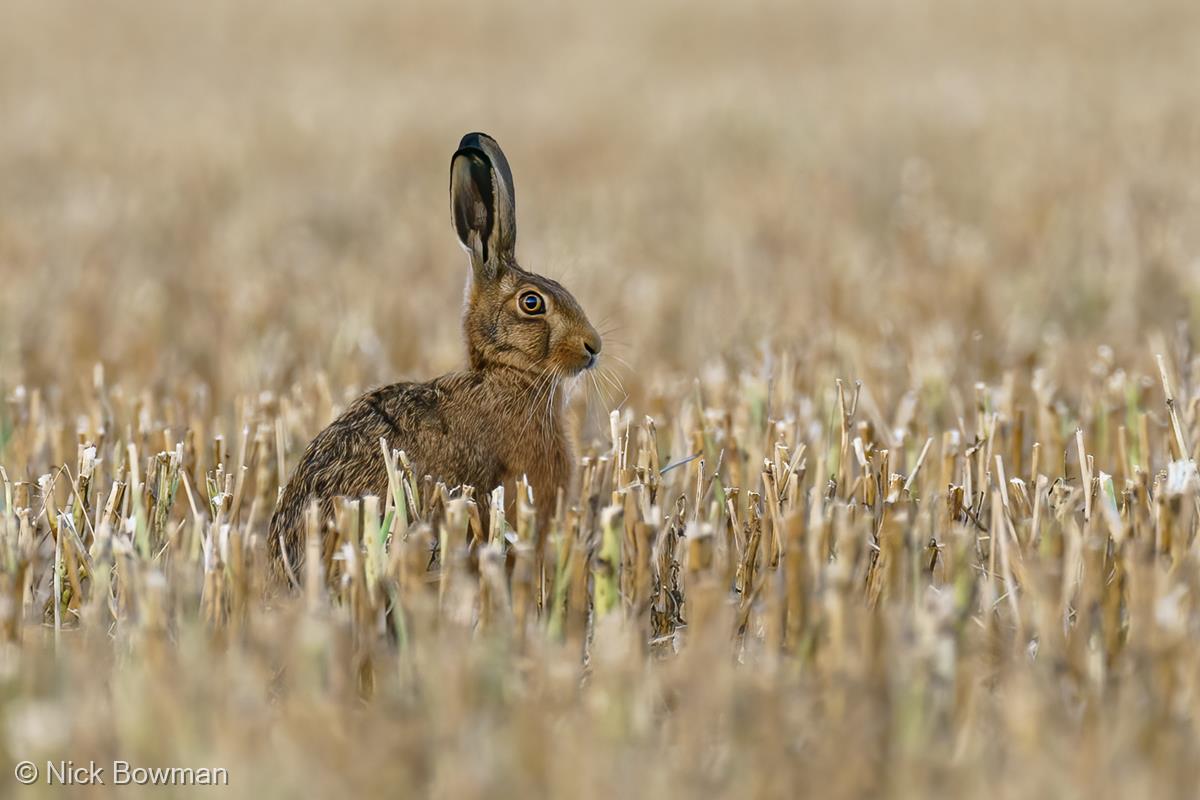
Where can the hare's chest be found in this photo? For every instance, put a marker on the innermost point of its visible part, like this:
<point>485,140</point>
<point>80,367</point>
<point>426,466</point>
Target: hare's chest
<point>546,464</point>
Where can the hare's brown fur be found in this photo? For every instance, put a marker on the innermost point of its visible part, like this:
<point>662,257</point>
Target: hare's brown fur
<point>489,425</point>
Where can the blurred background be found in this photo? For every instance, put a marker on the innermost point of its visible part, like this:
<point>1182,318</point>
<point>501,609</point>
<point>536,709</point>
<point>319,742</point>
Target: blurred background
<point>250,195</point>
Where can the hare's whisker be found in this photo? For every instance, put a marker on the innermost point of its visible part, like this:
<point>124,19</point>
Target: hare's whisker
<point>620,361</point>
<point>607,374</point>
<point>618,388</point>
<point>543,380</point>
<point>601,389</point>
<point>604,383</point>
<point>552,400</point>
<point>615,383</point>
<point>595,414</point>
<point>605,398</point>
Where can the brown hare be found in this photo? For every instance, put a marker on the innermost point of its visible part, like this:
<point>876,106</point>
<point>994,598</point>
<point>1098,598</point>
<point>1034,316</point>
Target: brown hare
<point>499,419</point>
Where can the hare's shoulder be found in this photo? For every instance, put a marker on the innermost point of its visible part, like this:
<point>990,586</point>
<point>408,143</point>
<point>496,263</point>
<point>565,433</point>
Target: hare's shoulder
<point>407,407</point>
<point>397,408</point>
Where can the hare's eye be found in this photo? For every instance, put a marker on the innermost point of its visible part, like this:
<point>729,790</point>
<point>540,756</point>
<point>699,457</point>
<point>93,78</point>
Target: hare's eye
<point>532,303</point>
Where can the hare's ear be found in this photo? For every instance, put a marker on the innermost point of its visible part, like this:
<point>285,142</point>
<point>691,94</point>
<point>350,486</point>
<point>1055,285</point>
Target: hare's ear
<point>483,203</point>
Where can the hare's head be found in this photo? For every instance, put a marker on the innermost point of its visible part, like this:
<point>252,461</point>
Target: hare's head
<point>513,318</point>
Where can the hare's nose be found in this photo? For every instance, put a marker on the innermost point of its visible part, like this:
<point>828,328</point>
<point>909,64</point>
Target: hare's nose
<point>592,345</point>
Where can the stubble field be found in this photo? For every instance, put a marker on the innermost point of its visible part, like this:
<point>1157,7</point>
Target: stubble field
<point>886,483</point>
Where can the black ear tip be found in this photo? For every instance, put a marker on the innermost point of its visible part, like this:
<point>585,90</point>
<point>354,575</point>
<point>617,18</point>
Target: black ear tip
<point>485,146</point>
<point>477,141</point>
